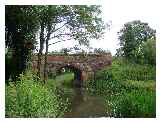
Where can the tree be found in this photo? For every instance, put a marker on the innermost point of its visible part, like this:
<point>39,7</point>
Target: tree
<point>119,52</point>
<point>65,51</point>
<point>99,51</point>
<point>149,51</point>
<point>20,31</point>
<point>55,24</point>
<point>132,36</point>
<point>63,23</point>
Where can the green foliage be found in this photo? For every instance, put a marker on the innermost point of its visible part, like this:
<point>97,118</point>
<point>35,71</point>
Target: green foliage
<point>133,84</point>
<point>132,36</point>
<point>112,79</point>
<point>129,89</point>
<point>100,51</point>
<point>65,51</point>
<point>52,75</point>
<point>20,32</point>
<point>149,51</point>
<point>136,103</point>
<point>104,83</point>
<point>21,25</point>
<point>123,70</point>
<point>64,79</point>
<point>68,79</point>
<point>28,98</point>
<point>103,87</point>
<point>80,22</point>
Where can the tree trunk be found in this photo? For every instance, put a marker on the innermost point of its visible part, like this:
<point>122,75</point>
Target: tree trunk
<point>39,63</point>
<point>49,27</point>
<point>45,63</point>
<point>42,40</point>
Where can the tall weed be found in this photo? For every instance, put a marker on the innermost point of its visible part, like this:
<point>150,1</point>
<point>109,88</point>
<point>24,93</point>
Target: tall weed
<point>135,103</point>
<point>28,98</point>
<point>129,89</point>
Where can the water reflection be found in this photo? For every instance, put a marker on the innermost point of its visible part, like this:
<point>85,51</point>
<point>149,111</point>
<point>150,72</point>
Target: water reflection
<point>85,105</point>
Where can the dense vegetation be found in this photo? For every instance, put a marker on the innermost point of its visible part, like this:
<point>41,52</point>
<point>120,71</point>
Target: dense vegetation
<point>28,98</point>
<point>137,39</point>
<point>129,89</point>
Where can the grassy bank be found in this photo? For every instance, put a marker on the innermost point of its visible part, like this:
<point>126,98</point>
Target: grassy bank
<point>28,98</point>
<point>129,89</point>
<point>63,79</point>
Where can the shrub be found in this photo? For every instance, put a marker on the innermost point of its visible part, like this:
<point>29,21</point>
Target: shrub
<point>122,70</point>
<point>149,51</point>
<point>137,103</point>
<point>129,89</point>
<point>104,83</point>
<point>133,84</point>
<point>27,98</point>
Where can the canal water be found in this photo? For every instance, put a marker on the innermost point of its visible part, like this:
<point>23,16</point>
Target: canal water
<point>83,104</point>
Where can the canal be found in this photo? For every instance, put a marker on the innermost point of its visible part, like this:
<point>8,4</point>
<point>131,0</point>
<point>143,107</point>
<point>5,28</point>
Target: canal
<point>82,103</point>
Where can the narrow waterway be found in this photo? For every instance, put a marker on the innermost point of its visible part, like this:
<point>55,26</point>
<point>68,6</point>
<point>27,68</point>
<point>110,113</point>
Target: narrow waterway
<point>84,105</point>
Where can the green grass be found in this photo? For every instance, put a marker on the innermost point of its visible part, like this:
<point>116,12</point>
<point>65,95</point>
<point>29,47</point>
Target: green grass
<point>63,79</point>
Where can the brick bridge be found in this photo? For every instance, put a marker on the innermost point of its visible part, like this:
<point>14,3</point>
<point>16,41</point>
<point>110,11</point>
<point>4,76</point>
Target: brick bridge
<point>83,66</point>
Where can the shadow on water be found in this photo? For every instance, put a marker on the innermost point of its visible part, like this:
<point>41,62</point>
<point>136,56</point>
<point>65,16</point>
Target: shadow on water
<point>84,105</point>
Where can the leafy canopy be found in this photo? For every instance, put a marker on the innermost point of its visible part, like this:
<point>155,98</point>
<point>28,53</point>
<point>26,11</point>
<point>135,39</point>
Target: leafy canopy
<point>66,22</point>
<point>132,36</point>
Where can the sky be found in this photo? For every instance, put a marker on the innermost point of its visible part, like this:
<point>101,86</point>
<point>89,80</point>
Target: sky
<point>119,12</point>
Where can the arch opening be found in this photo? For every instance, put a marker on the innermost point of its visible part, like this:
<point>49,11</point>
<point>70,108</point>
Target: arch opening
<point>78,79</point>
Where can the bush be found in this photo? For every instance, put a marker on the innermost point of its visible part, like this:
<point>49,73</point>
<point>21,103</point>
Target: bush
<point>104,83</point>
<point>51,75</point>
<point>137,103</point>
<point>149,51</point>
<point>132,84</point>
<point>123,70</point>
<point>112,79</point>
<point>27,98</point>
<point>129,89</point>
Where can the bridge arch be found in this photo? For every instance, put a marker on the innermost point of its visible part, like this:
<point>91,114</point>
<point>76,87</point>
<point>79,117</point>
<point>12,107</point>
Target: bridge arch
<point>78,78</point>
<point>84,68</point>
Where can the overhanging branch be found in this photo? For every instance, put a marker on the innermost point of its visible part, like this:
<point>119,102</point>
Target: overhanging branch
<point>62,40</point>
<point>59,27</point>
<point>63,34</point>
<point>52,31</point>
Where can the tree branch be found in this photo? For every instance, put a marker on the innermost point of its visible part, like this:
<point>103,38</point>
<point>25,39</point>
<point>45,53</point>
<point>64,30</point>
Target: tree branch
<point>62,40</point>
<point>52,31</point>
<point>59,27</point>
<point>63,34</point>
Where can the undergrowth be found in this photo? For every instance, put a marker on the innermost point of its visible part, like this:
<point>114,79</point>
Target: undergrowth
<point>129,89</point>
<point>27,98</point>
